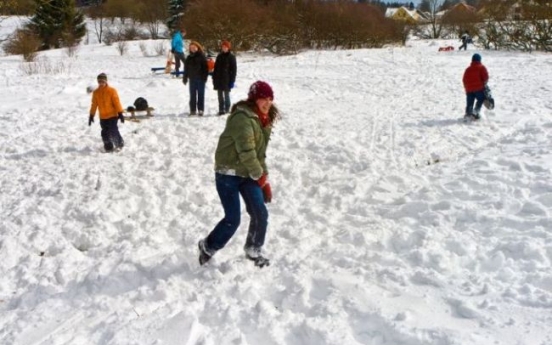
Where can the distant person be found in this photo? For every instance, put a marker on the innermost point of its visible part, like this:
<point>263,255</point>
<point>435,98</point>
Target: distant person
<point>240,169</point>
<point>465,38</point>
<point>196,73</point>
<point>210,64</point>
<point>177,48</point>
<point>106,99</point>
<point>224,76</point>
<point>474,80</point>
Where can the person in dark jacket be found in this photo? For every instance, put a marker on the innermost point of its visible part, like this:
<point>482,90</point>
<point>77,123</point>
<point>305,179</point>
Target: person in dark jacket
<point>474,80</point>
<point>106,99</point>
<point>240,169</point>
<point>196,73</point>
<point>224,76</point>
<point>465,38</point>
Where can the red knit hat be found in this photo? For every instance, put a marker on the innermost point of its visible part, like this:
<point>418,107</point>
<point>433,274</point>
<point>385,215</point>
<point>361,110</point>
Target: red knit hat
<point>226,44</point>
<point>260,89</point>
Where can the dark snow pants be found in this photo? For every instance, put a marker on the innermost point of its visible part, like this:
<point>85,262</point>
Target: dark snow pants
<point>223,101</point>
<point>110,134</point>
<point>178,57</point>
<point>471,98</point>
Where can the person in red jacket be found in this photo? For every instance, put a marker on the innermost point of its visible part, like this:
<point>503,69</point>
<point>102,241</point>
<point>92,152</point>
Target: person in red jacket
<point>106,99</point>
<point>475,78</point>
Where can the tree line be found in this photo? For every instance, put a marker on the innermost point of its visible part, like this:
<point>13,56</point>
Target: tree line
<point>279,26</point>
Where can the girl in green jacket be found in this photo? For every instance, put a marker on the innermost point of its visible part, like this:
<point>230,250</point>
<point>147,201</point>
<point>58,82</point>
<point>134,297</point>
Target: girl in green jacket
<point>240,169</point>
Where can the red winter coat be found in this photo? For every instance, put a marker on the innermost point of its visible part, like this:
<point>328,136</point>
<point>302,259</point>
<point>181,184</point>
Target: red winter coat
<point>475,77</point>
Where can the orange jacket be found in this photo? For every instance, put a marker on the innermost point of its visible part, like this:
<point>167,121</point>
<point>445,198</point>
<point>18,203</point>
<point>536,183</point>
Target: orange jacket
<point>107,100</point>
<point>210,65</point>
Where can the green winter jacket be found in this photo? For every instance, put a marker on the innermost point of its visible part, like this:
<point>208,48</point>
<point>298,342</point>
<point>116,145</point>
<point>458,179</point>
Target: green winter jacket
<point>241,149</point>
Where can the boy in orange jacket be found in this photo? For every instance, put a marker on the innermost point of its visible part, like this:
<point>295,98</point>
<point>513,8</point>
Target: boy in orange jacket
<point>106,99</point>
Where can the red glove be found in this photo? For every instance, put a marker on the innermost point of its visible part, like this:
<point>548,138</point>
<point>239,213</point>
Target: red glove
<point>267,193</point>
<point>263,180</point>
<point>265,186</point>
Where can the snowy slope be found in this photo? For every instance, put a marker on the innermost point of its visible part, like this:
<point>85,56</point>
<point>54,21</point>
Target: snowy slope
<point>392,222</point>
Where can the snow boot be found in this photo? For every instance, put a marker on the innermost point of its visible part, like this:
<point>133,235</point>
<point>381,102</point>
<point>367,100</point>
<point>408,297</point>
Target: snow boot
<point>203,254</point>
<point>254,254</point>
<point>260,261</point>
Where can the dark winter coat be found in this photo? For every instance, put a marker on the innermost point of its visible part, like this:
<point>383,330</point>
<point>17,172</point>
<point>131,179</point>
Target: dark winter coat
<point>241,149</point>
<point>224,75</point>
<point>475,77</point>
<point>195,66</point>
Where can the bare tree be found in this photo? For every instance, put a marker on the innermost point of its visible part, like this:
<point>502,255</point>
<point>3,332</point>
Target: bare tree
<point>435,24</point>
<point>459,21</point>
<point>512,25</point>
<point>151,14</point>
<point>98,13</point>
<point>244,23</point>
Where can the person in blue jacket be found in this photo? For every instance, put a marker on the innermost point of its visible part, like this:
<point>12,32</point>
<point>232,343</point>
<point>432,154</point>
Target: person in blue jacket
<point>177,48</point>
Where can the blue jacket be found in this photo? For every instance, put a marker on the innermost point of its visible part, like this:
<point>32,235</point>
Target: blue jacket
<point>177,43</point>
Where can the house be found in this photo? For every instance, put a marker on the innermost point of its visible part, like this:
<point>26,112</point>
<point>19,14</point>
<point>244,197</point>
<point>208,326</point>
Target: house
<point>461,12</point>
<point>462,8</point>
<point>404,14</point>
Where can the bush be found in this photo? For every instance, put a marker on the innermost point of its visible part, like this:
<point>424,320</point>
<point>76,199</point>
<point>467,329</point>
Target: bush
<point>143,49</point>
<point>128,32</point>
<point>44,66</point>
<point>160,48</point>
<point>122,47</point>
<point>23,42</point>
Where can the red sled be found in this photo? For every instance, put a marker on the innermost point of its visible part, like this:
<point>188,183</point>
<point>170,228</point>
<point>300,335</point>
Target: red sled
<point>446,49</point>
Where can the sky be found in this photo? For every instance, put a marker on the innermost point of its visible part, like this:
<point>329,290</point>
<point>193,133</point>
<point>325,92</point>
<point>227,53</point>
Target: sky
<point>393,222</point>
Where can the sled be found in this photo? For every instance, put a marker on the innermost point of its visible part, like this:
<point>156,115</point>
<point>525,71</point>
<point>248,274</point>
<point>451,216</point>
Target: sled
<point>489,102</point>
<point>446,49</point>
<point>136,115</point>
<point>155,70</point>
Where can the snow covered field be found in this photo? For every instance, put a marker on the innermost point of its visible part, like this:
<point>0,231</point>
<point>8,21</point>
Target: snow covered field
<point>392,223</point>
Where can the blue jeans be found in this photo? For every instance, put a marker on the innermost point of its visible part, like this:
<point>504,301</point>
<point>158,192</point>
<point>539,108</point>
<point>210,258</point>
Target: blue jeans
<point>229,189</point>
<point>224,100</point>
<point>197,95</point>
<point>470,99</point>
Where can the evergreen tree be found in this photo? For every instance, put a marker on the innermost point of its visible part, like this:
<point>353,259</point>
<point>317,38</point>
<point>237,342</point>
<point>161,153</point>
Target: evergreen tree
<point>176,10</point>
<point>58,23</point>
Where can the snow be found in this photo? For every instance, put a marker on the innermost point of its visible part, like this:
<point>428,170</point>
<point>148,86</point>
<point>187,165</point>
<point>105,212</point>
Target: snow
<point>392,223</point>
